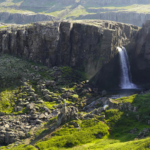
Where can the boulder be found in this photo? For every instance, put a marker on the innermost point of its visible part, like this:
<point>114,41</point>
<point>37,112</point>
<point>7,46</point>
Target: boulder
<point>66,94</point>
<point>21,135</point>
<point>47,110</point>
<point>30,106</point>
<point>6,126</point>
<point>19,108</point>
<point>33,116</point>
<point>48,97</point>
<point>38,121</point>
<point>55,112</point>
<point>66,114</point>
<point>45,92</point>
<point>42,116</point>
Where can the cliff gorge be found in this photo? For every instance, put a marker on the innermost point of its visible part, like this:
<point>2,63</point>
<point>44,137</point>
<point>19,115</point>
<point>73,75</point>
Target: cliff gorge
<point>84,45</point>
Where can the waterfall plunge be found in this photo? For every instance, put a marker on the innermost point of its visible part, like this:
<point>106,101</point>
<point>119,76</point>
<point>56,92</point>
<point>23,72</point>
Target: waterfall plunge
<point>126,81</point>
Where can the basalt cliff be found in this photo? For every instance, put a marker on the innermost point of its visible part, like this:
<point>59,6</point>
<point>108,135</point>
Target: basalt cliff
<point>84,45</point>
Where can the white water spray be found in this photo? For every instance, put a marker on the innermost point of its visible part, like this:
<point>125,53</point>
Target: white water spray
<point>126,81</point>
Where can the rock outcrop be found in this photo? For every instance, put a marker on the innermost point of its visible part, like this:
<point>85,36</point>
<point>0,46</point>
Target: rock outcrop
<point>67,114</point>
<point>140,56</point>
<point>84,45</point>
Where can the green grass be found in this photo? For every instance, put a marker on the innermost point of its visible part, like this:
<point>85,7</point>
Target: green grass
<point>142,102</point>
<point>128,99</point>
<point>20,147</point>
<point>69,137</point>
<point>111,144</point>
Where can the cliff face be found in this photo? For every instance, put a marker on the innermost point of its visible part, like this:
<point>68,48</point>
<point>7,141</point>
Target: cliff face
<point>126,17</point>
<point>85,45</point>
<point>140,55</point>
<point>23,18</point>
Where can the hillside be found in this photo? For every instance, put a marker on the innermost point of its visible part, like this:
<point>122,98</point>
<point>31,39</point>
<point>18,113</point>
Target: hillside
<point>27,11</point>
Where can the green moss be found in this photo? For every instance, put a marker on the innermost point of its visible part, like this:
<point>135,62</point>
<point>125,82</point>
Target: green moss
<point>75,96</point>
<point>50,105</point>
<point>128,99</point>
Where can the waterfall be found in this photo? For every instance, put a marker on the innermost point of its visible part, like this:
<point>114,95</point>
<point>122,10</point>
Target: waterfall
<point>126,79</point>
